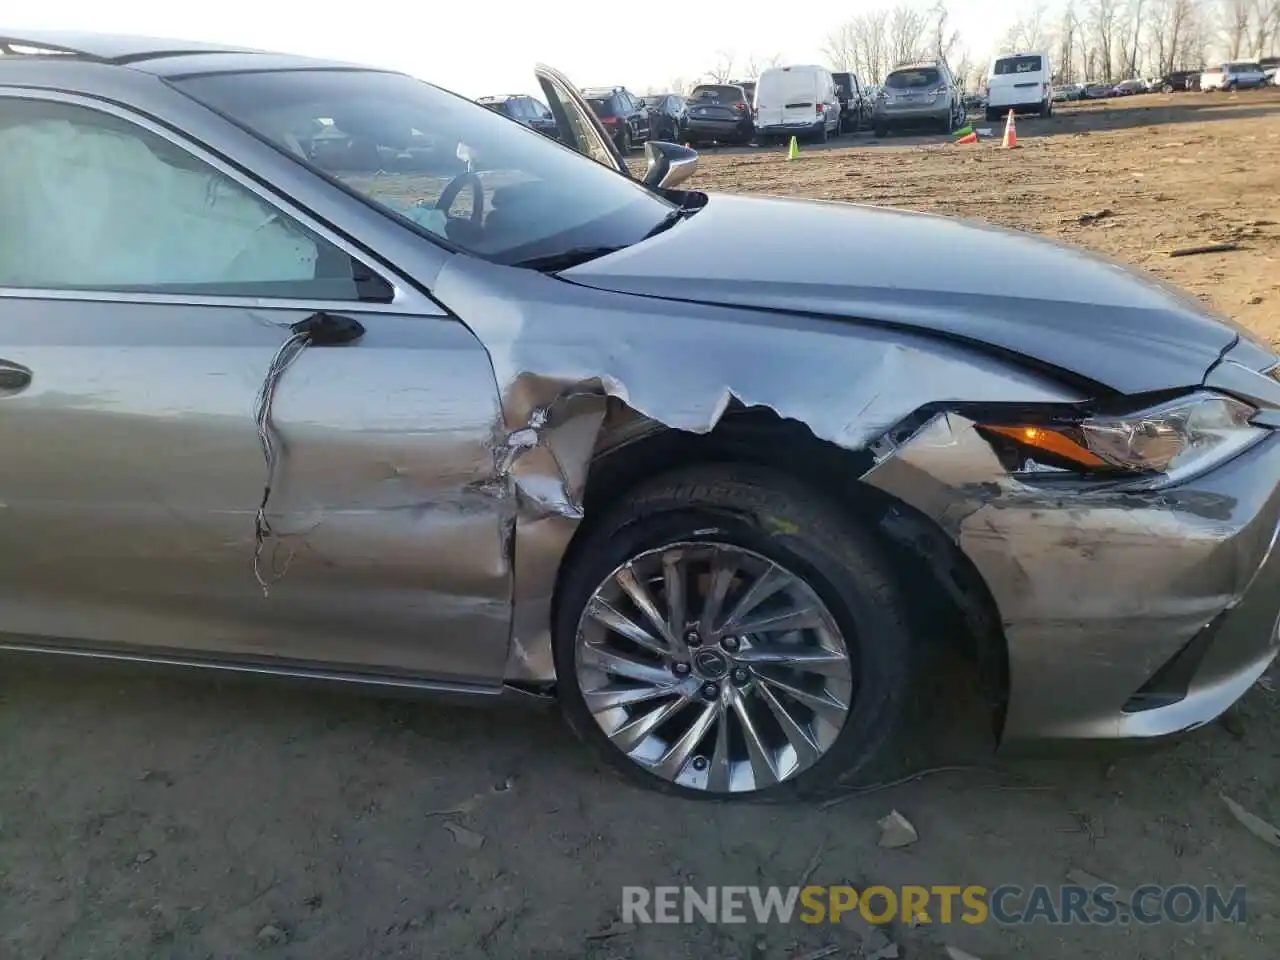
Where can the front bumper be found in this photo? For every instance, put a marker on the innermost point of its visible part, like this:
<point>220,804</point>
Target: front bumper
<point>1124,614</point>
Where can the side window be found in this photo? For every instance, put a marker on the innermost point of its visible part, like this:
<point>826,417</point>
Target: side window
<point>92,202</point>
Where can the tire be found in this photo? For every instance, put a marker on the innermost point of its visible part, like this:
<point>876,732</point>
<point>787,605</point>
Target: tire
<point>949,124</point>
<point>992,115</point>
<point>822,134</point>
<point>1167,88</point>
<point>881,130</point>
<point>1045,109</point>
<point>624,142</point>
<point>775,520</point>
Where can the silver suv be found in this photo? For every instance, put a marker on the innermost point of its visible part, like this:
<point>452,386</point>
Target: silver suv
<point>918,94</point>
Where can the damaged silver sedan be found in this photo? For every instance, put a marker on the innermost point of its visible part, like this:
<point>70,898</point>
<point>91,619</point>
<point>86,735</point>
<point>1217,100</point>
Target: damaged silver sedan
<point>321,371</point>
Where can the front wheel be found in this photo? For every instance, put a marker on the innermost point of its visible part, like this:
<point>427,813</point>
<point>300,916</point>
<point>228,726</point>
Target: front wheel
<point>725,632</point>
<point>881,130</point>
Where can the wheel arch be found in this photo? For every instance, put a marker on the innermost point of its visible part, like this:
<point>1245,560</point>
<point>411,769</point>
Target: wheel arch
<point>952,604</point>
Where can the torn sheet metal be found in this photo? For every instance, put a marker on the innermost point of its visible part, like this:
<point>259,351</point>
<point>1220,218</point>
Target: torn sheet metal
<point>558,350</point>
<point>1102,586</point>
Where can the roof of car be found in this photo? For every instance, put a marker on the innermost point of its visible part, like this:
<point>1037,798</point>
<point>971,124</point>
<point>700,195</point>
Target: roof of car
<point>149,54</point>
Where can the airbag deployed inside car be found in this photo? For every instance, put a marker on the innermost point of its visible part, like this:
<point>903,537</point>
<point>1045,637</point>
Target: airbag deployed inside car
<point>86,207</point>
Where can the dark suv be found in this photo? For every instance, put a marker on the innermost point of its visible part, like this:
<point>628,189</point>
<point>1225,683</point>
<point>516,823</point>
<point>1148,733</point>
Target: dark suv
<point>854,107</point>
<point>523,109</point>
<point>623,114</point>
<point>1180,80</point>
<point>720,112</point>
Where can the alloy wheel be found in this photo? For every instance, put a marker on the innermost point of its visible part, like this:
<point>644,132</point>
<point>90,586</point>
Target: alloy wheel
<point>713,667</point>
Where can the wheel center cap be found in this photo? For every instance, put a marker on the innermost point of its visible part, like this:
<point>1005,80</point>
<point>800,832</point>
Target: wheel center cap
<point>710,664</point>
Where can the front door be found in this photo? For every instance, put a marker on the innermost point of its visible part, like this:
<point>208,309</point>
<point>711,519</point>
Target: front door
<point>147,298</point>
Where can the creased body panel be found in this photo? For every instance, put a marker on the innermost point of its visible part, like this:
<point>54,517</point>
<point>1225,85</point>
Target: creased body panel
<point>127,506</point>
<point>1096,589</point>
<point>559,350</point>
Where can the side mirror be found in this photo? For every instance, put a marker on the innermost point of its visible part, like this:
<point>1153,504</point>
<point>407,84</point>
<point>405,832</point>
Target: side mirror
<point>668,164</point>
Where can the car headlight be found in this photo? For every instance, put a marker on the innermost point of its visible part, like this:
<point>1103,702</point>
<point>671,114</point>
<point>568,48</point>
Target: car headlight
<point>1158,446</point>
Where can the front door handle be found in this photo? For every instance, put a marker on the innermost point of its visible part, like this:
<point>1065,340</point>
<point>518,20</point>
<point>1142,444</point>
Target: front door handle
<point>14,378</point>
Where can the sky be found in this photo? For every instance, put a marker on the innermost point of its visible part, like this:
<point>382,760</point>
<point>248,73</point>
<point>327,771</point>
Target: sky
<point>491,47</point>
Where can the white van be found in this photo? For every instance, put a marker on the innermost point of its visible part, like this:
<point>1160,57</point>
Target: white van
<point>797,101</point>
<point>1021,82</point>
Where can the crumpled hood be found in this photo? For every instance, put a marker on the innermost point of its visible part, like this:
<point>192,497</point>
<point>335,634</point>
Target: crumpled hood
<point>1017,292</point>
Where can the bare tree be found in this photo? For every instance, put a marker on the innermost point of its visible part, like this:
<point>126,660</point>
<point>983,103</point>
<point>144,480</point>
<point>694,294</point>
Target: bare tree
<point>680,86</point>
<point>962,69</point>
<point>944,38</point>
<point>1104,16</point>
<point>1137,33</point>
<point>757,64</point>
<point>1028,33</point>
<point>841,46</point>
<point>722,71</point>
<point>873,45</point>
<point>1235,25</point>
<point>1266,24</point>
<point>860,45</point>
<point>907,28</point>
<point>1067,43</point>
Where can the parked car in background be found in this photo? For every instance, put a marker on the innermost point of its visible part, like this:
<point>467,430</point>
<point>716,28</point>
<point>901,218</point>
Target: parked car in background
<point>1068,92</point>
<point>521,108</point>
<point>1021,82</point>
<point>854,107</point>
<point>1098,91</point>
<point>1179,81</point>
<point>667,116</point>
<point>918,94</point>
<point>973,101</point>
<point>1241,75</point>
<point>798,101</point>
<point>1127,88</point>
<point>622,114</point>
<point>718,112</point>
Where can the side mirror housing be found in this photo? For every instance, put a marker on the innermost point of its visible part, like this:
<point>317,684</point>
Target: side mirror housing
<point>668,164</point>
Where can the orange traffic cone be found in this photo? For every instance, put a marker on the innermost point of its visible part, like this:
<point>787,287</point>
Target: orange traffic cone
<point>1010,133</point>
<point>970,138</point>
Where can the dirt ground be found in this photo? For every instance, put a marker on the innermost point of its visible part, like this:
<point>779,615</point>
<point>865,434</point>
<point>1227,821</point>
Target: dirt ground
<point>158,816</point>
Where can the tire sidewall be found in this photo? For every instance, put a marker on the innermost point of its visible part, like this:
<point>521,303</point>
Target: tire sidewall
<point>875,635</point>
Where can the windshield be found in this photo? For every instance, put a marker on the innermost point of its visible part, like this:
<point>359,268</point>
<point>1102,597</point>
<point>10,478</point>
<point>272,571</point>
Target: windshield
<point>398,143</point>
<point>907,79</point>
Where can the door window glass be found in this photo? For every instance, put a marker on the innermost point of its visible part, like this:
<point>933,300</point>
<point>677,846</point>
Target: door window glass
<point>89,201</point>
